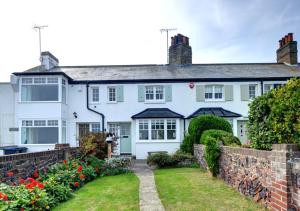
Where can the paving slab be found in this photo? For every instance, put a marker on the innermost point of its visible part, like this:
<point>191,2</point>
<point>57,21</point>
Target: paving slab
<point>149,199</point>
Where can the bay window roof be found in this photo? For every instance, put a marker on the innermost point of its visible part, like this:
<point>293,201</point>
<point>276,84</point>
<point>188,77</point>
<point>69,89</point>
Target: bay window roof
<point>218,111</point>
<point>152,113</point>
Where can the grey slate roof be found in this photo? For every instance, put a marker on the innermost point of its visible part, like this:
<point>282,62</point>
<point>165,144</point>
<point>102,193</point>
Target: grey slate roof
<point>174,72</point>
<point>218,111</point>
<point>157,113</point>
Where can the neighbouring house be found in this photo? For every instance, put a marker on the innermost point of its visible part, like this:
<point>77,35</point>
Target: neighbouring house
<point>148,107</point>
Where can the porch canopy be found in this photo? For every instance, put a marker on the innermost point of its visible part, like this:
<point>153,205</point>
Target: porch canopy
<point>152,113</point>
<point>218,111</point>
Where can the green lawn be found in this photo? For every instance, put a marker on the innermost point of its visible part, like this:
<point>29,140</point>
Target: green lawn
<point>193,189</point>
<point>108,193</point>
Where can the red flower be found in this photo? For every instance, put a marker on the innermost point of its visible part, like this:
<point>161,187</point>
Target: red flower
<point>21,209</point>
<point>5,197</point>
<point>79,169</point>
<point>30,179</point>
<point>21,181</point>
<point>10,173</point>
<point>40,185</point>
<point>97,169</point>
<point>82,176</point>
<point>76,184</point>
<point>35,174</point>
<point>1,195</point>
<point>30,186</point>
<point>65,162</point>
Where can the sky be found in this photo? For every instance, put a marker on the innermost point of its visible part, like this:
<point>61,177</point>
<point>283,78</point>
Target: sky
<point>114,32</point>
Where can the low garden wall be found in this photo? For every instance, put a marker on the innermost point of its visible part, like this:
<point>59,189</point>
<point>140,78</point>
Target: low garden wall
<point>270,177</point>
<point>23,165</point>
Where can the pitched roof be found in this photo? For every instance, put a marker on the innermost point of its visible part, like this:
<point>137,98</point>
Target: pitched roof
<point>194,72</point>
<point>218,111</point>
<point>157,113</point>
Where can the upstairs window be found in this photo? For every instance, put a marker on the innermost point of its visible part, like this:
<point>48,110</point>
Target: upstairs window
<point>39,89</point>
<point>252,91</point>
<point>269,87</point>
<point>154,93</point>
<point>95,94</point>
<point>112,94</point>
<point>214,92</point>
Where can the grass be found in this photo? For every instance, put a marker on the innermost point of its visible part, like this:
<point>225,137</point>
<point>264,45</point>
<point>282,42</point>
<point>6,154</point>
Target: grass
<point>108,193</point>
<point>193,189</point>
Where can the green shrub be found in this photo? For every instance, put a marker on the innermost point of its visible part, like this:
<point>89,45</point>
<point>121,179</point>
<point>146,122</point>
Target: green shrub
<point>198,125</point>
<point>274,118</point>
<point>212,154</point>
<point>178,159</point>
<point>115,166</point>
<point>228,139</point>
<point>187,145</point>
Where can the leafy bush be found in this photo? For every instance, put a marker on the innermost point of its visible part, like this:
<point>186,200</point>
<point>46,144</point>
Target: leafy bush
<point>95,144</point>
<point>212,154</point>
<point>226,138</point>
<point>164,160</point>
<point>47,190</point>
<point>187,145</point>
<point>198,125</point>
<point>274,118</point>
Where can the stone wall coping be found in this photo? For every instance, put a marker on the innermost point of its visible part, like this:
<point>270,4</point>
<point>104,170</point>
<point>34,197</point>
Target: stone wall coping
<point>285,147</point>
<point>21,156</point>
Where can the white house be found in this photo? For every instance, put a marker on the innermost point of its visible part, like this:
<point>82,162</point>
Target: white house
<point>147,106</point>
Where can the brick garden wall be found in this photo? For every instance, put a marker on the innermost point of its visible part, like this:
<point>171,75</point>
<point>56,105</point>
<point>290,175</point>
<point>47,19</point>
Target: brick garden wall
<point>24,164</point>
<point>271,178</point>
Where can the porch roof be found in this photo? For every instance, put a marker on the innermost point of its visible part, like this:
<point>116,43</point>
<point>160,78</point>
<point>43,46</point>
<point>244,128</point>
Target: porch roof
<point>151,113</point>
<point>218,111</point>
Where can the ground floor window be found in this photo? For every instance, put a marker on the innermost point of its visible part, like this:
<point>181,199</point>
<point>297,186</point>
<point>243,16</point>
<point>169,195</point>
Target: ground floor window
<point>39,132</point>
<point>157,129</point>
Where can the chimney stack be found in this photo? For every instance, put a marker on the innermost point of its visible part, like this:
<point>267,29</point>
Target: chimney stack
<point>287,51</point>
<point>180,52</point>
<point>48,60</point>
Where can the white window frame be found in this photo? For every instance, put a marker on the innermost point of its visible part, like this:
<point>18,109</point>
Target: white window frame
<point>92,124</point>
<point>34,123</point>
<point>213,87</point>
<point>165,140</point>
<point>108,94</point>
<point>93,94</point>
<point>155,89</point>
<point>272,85</point>
<point>255,91</point>
<point>42,80</point>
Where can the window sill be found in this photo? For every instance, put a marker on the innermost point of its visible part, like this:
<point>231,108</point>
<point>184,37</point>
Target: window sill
<point>155,102</point>
<point>37,144</point>
<point>112,102</point>
<point>26,102</point>
<point>156,141</point>
<point>213,100</point>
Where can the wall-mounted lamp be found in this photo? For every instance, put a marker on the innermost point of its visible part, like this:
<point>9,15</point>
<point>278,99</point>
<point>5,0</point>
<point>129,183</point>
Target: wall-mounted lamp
<point>75,114</point>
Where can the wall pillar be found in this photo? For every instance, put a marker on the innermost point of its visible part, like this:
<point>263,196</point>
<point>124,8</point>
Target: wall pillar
<point>282,164</point>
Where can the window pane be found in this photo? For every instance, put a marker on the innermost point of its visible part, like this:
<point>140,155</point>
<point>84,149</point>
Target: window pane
<point>26,80</point>
<point>39,135</point>
<point>149,93</point>
<point>95,93</point>
<point>159,93</point>
<point>252,91</point>
<point>157,129</point>
<point>63,135</point>
<point>96,127</point>
<point>39,93</point>
<point>52,80</point>
<point>39,122</point>
<point>267,87</point>
<point>111,94</point>
<point>208,92</point>
<point>143,130</point>
<point>39,80</point>
<point>63,94</point>
<point>52,122</point>
<point>171,129</point>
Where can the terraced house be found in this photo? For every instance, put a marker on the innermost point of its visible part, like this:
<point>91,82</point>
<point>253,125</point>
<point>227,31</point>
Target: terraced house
<point>147,106</point>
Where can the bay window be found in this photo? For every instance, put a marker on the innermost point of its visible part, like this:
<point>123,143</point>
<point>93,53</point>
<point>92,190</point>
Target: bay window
<point>157,129</point>
<point>39,132</point>
<point>42,89</point>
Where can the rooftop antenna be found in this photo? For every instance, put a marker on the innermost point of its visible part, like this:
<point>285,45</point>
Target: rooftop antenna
<point>39,27</point>
<point>167,30</point>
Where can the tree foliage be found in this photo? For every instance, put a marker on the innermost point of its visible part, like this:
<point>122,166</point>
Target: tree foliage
<point>275,117</point>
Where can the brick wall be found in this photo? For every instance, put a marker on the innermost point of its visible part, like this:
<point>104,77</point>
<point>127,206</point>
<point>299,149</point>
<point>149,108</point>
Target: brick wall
<point>24,164</point>
<point>271,178</point>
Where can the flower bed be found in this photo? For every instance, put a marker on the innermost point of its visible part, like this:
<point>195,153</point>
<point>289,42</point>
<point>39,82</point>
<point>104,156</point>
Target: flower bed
<point>47,188</point>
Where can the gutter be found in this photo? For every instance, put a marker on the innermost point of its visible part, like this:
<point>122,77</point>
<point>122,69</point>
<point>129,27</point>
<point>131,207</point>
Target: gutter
<point>87,106</point>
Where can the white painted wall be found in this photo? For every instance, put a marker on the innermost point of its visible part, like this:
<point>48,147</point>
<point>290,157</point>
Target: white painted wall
<point>183,102</point>
<point>7,110</point>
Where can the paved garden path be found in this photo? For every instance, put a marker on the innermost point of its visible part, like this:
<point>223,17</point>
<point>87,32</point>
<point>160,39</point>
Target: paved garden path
<point>149,199</point>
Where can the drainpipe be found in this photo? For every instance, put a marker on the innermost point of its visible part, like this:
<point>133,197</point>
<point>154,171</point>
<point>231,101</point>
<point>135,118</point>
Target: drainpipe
<point>183,127</point>
<point>87,106</point>
<point>261,87</point>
